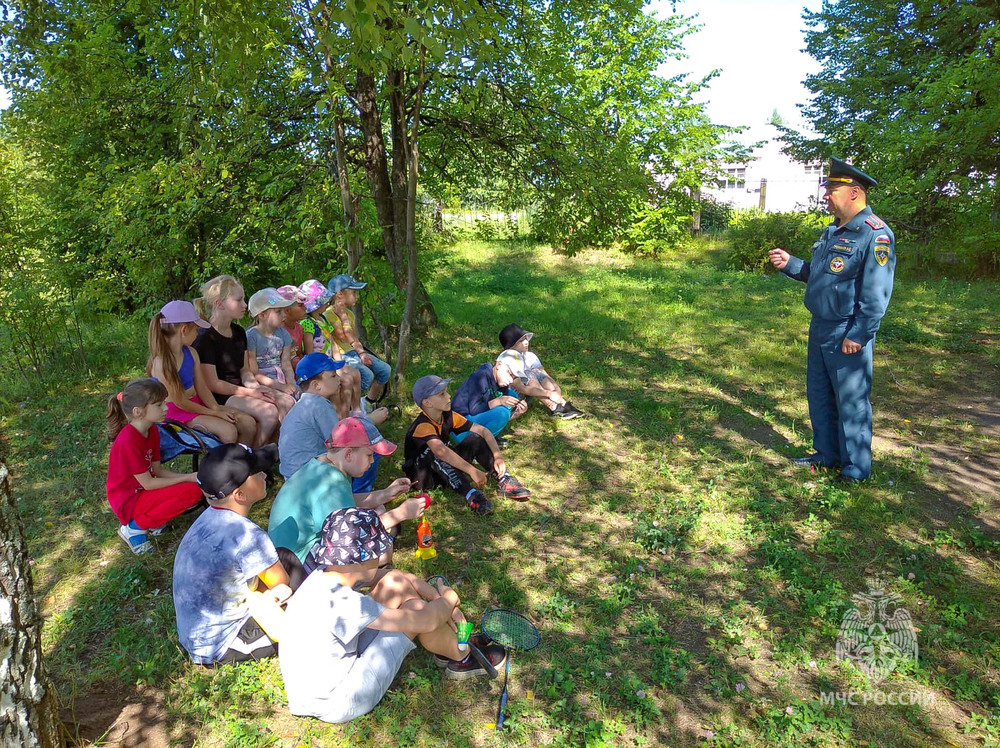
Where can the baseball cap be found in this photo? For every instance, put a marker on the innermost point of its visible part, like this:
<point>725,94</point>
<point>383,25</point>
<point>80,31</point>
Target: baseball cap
<point>340,282</point>
<point>178,312</point>
<point>292,293</point>
<point>313,364</point>
<point>267,298</point>
<point>514,363</point>
<point>316,294</point>
<point>351,535</point>
<point>428,386</point>
<point>513,333</point>
<point>359,432</point>
<point>227,467</point>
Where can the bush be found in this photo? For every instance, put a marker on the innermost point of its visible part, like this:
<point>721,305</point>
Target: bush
<point>715,215</point>
<point>752,233</point>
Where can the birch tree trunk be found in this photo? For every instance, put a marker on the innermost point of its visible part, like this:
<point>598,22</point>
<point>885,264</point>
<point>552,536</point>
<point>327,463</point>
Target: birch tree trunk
<point>28,710</point>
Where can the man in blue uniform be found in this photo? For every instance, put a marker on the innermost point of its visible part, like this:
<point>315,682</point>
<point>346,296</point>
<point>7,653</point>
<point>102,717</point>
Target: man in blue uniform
<point>848,285</point>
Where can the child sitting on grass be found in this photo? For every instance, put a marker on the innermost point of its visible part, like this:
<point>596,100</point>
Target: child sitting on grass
<point>341,649</point>
<point>374,371</point>
<point>530,378</point>
<point>142,493</point>
<point>323,485</point>
<point>223,556</point>
<point>269,343</point>
<point>430,462</point>
<point>294,314</point>
<point>319,339</point>
<point>488,399</point>
<point>310,421</point>
<point>176,364</point>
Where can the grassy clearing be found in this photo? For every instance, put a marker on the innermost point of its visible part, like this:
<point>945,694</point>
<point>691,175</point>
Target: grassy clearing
<point>689,584</point>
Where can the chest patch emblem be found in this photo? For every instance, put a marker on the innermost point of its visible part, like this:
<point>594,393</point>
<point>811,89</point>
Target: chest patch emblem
<point>843,247</point>
<point>881,255</point>
<point>837,264</point>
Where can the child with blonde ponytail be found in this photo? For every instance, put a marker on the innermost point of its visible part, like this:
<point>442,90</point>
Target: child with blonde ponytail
<point>173,362</point>
<point>223,351</point>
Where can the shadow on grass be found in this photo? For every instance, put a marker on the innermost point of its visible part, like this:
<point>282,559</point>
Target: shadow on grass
<point>667,543</point>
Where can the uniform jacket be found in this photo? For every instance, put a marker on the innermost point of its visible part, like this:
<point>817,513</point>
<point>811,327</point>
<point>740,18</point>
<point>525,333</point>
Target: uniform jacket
<point>849,278</point>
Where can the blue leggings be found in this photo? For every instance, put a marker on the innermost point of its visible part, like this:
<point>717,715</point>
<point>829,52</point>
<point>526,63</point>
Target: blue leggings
<point>494,419</point>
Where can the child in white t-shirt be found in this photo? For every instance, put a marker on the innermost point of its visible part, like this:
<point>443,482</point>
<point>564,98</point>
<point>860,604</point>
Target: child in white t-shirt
<point>530,378</point>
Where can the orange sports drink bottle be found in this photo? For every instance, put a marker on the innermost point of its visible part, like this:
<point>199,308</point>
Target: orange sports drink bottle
<point>425,540</point>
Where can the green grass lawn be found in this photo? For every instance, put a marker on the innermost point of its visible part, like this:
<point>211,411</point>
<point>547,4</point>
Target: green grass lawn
<point>689,583</point>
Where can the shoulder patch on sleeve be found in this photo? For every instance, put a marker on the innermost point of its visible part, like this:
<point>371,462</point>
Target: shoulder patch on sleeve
<point>875,222</point>
<point>883,239</point>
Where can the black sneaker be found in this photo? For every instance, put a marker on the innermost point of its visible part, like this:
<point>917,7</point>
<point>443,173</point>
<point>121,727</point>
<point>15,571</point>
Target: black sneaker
<point>479,504</point>
<point>571,411</point>
<point>470,667</point>
<point>480,640</point>
<point>501,442</point>
<point>511,487</point>
<point>559,411</point>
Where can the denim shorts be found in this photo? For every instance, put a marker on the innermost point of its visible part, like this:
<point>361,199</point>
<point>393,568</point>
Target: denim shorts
<point>378,371</point>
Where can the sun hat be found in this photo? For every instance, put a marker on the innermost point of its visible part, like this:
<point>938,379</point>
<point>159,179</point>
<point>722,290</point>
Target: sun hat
<point>313,364</point>
<point>512,333</point>
<point>359,432</point>
<point>227,467</point>
<point>267,298</point>
<point>179,312</point>
<point>351,535</point>
<point>316,294</point>
<point>292,293</point>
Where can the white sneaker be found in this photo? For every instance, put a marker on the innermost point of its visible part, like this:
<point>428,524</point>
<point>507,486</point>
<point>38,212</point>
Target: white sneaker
<point>136,539</point>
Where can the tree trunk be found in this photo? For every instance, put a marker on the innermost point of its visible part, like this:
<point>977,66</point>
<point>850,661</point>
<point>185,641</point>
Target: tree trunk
<point>377,171</point>
<point>28,710</point>
<point>354,248</point>
<point>412,152</point>
<point>401,159</point>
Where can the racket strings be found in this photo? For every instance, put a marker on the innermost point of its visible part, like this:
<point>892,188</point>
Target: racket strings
<point>510,629</point>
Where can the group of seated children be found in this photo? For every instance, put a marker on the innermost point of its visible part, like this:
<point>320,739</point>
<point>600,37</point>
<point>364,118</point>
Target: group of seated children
<point>297,376</point>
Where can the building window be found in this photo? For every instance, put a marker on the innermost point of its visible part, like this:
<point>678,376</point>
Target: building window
<point>735,178</point>
<point>814,171</point>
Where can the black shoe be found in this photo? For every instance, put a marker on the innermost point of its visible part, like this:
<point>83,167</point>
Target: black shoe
<point>501,442</point>
<point>810,461</point>
<point>479,640</point>
<point>479,504</point>
<point>845,480</point>
<point>571,411</point>
<point>559,411</point>
<point>470,667</point>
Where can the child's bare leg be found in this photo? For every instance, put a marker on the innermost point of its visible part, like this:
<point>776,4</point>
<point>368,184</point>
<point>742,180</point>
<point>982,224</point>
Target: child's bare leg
<point>554,397</point>
<point>263,412</point>
<point>350,384</point>
<point>442,640</point>
<point>225,430</point>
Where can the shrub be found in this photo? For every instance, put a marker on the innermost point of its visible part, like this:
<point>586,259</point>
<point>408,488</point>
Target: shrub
<point>752,233</point>
<point>715,215</point>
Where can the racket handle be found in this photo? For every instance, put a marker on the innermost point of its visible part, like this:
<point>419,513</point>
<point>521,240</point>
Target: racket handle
<point>483,660</point>
<point>500,710</point>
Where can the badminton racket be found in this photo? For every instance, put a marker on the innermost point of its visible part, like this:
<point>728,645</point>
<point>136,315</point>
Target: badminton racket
<point>512,631</point>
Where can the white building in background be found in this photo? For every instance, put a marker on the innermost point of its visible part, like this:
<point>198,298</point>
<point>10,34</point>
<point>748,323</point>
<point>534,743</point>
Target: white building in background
<point>771,180</point>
